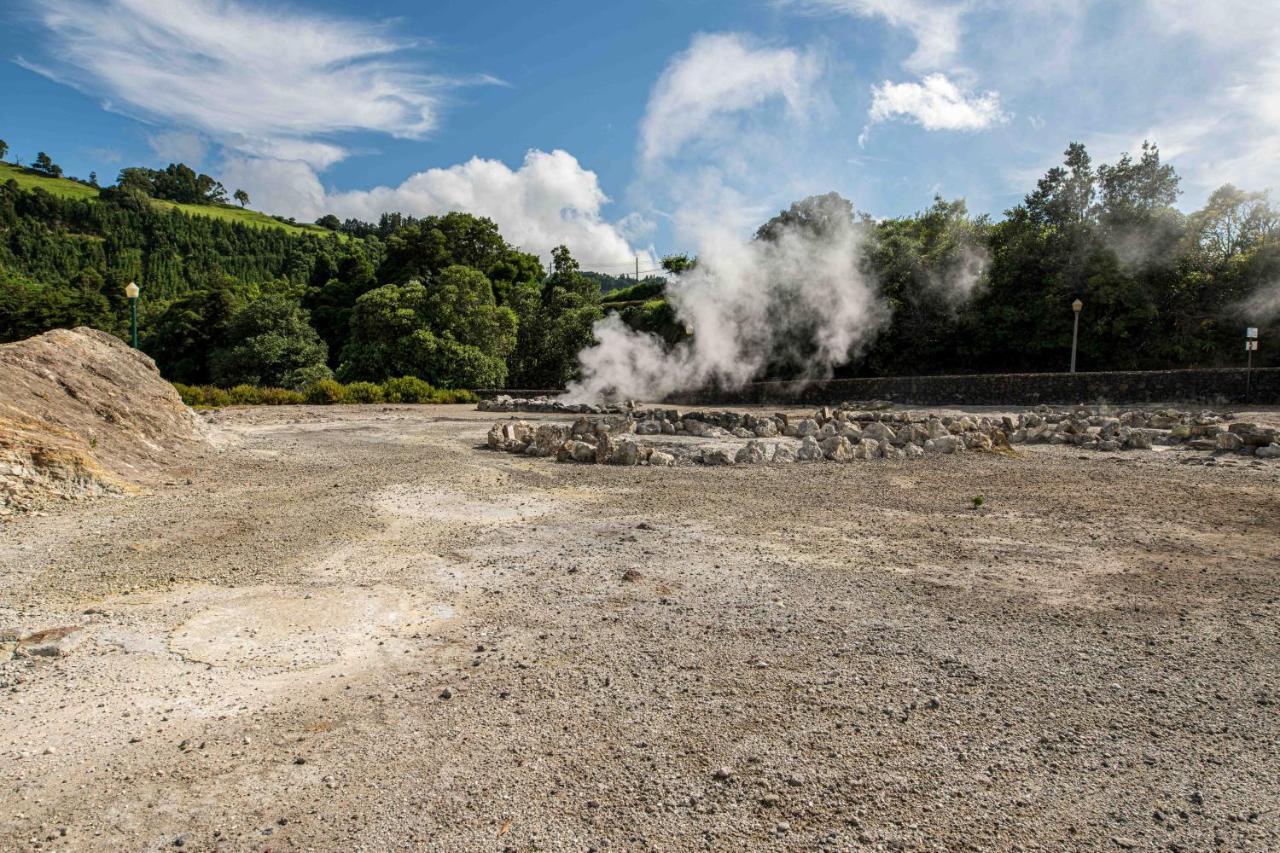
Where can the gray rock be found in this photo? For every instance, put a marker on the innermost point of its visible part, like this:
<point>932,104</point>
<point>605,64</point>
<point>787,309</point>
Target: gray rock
<point>946,444</point>
<point>809,450</point>
<point>1270,451</point>
<point>878,432</point>
<point>625,452</point>
<point>806,428</point>
<point>661,460</point>
<point>837,448</point>
<point>868,448</point>
<point>752,454</point>
<point>717,456</point>
<point>580,451</point>
<point>911,450</point>
<point>783,453</point>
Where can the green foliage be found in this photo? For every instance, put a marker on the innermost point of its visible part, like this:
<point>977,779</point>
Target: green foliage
<point>177,182</point>
<point>45,166</point>
<point>363,392</point>
<point>326,392</point>
<point>281,397</point>
<point>555,322</point>
<point>650,288</point>
<point>245,395</point>
<point>214,398</point>
<point>408,389</point>
<point>453,333</point>
<point>270,342</point>
<point>978,501</point>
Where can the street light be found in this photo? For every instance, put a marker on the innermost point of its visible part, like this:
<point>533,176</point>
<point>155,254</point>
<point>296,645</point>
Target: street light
<point>131,290</point>
<point>1076,306</point>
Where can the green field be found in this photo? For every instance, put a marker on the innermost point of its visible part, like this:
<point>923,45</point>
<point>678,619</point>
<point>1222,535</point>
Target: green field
<point>71,189</point>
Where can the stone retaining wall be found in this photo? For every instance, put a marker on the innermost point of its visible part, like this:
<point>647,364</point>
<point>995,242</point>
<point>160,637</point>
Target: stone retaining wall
<point>1212,386</point>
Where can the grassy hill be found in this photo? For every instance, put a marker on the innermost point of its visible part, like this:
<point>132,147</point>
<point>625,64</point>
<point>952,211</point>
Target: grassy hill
<point>71,189</point>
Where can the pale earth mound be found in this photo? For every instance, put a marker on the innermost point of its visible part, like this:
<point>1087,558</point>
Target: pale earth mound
<point>82,414</point>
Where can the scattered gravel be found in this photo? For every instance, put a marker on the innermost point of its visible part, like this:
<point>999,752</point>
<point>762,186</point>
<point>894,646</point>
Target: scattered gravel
<point>838,657</point>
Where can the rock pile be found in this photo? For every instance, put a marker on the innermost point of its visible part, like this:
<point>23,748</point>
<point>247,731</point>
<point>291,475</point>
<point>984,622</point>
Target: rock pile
<point>845,434</point>
<point>552,405</point>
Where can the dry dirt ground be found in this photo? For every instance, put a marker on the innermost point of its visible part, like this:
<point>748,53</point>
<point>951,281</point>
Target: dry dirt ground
<point>354,629</point>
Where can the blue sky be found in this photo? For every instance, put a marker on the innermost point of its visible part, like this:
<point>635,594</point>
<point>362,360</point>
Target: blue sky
<point>625,128</point>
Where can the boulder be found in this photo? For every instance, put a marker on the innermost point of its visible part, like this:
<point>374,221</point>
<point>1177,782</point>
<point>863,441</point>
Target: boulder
<point>806,428</point>
<point>783,453</point>
<point>717,456</point>
<point>868,448</point>
<point>743,432</point>
<point>752,454</point>
<point>549,438</point>
<point>1270,451</point>
<point>837,448</point>
<point>580,451</point>
<point>946,444</point>
<point>650,427</point>
<point>878,432</point>
<point>766,428</point>
<point>809,450</point>
<point>661,460</point>
<point>625,452</point>
<point>911,450</point>
<point>1230,441</point>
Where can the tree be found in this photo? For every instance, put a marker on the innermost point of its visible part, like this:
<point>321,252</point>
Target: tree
<point>242,197</point>
<point>556,320</point>
<point>270,342</point>
<point>190,329</point>
<point>424,248</point>
<point>453,334</point>
<point>819,216</point>
<point>4,148</point>
<point>677,264</point>
<point>1232,222</point>
<point>329,221</point>
<point>45,164</point>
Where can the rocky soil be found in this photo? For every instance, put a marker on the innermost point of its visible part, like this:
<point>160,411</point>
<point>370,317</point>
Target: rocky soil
<point>81,415</point>
<point>359,629</point>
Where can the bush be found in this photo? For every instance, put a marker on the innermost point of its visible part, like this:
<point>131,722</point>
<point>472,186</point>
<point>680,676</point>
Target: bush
<point>326,392</point>
<point>408,389</point>
<point>215,398</point>
<point>281,397</point>
<point>363,392</point>
<point>455,395</point>
<point>245,395</point>
<point>190,394</point>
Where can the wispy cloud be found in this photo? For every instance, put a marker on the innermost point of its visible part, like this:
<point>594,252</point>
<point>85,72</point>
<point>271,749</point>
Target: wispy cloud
<point>935,26</point>
<point>718,79</point>
<point>255,77</point>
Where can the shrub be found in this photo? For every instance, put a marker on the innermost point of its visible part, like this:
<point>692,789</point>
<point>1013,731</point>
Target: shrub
<point>408,389</point>
<point>326,392</point>
<point>215,398</point>
<point>363,392</point>
<point>455,395</point>
<point>281,397</point>
<point>191,395</point>
<point>245,395</point>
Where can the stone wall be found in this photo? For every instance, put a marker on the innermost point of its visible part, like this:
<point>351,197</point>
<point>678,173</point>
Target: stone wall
<point>1213,387</point>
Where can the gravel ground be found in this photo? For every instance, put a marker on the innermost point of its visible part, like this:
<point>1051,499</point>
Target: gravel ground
<point>354,629</point>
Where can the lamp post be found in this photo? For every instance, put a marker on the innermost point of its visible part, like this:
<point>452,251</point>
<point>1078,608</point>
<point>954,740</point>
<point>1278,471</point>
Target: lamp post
<point>1075,332</point>
<point>131,290</point>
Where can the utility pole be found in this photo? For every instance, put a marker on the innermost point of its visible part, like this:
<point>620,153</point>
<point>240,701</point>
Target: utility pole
<point>637,269</point>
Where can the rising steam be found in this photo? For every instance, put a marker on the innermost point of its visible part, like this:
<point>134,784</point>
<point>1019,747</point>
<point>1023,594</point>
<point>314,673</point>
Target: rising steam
<point>802,295</point>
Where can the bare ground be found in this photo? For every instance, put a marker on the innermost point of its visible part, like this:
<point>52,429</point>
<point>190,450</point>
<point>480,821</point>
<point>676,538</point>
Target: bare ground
<point>808,656</point>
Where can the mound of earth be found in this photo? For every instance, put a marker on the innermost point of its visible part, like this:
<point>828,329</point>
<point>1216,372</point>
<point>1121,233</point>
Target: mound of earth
<point>83,414</point>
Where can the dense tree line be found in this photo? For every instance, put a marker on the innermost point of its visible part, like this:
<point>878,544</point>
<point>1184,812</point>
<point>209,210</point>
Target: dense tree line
<point>443,298</point>
<point>447,299</point>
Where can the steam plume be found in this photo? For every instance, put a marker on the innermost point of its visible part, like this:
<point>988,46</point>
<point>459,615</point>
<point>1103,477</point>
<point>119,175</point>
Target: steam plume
<point>801,296</point>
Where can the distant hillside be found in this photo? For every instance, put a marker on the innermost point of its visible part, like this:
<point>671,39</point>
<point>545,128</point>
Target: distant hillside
<point>64,188</point>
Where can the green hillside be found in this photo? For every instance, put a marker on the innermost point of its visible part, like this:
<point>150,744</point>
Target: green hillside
<point>64,188</point>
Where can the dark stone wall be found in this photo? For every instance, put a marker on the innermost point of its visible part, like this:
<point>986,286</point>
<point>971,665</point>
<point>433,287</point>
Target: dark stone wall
<point>1210,387</point>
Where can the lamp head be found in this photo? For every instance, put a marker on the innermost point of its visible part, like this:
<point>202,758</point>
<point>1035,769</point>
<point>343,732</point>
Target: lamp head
<point>1077,306</point>
<point>131,290</point>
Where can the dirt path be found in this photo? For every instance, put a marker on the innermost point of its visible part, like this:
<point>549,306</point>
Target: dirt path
<point>351,629</point>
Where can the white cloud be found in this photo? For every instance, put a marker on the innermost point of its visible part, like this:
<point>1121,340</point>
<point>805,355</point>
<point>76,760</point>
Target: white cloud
<point>935,26</point>
<point>551,199</point>
<point>267,77</point>
<point>720,76</point>
<point>181,146</point>
<point>935,103</point>
<point>1234,131</point>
